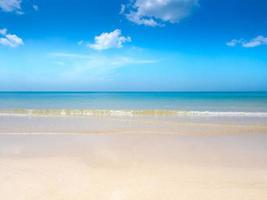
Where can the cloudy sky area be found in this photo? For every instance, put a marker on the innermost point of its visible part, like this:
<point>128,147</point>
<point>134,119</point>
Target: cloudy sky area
<point>135,45</point>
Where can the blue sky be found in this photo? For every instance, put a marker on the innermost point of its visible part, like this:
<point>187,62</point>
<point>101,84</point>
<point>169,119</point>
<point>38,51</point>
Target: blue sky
<point>133,45</point>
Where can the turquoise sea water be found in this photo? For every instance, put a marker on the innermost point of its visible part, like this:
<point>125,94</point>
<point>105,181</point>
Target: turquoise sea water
<point>213,103</point>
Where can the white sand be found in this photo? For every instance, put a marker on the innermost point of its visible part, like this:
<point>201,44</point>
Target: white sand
<point>131,167</point>
<point>72,178</point>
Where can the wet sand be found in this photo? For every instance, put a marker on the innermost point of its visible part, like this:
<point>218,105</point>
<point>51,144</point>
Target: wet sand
<point>163,163</point>
<point>132,125</point>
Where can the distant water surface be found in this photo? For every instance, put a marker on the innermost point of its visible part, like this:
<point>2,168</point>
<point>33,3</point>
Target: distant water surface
<point>217,103</point>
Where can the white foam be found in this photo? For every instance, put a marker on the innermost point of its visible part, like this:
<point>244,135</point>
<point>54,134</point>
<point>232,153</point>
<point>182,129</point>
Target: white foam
<point>87,112</point>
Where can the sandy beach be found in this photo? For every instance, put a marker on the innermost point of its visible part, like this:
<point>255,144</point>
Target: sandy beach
<point>133,100</point>
<point>184,165</point>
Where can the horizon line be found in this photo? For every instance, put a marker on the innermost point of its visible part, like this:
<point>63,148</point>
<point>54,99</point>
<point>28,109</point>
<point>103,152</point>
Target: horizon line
<point>130,91</point>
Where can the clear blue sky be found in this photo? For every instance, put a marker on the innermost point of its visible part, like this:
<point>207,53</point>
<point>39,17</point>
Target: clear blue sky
<point>111,45</point>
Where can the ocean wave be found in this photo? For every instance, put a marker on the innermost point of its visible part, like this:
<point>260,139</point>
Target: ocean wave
<point>88,112</point>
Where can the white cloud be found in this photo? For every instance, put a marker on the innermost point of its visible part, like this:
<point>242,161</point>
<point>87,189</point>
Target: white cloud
<point>157,12</point>
<point>97,60</point>
<point>35,7</point>
<point>10,40</point>
<point>11,6</point>
<point>94,66</point>
<point>80,42</point>
<point>257,41</point>
<point>113,39</point>
<point>233,43</point>
<point>3,31</point>
<point>254,42</point>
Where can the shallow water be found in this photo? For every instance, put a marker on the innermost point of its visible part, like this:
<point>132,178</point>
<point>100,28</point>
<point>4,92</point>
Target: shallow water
<point>178,101</point>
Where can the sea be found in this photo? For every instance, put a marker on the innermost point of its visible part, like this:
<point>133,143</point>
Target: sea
<point>251,104</point>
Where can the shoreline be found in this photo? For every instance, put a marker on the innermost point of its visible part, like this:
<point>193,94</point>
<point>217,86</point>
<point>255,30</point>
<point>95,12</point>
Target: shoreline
<point>132,125</point>
<point>128,113</point>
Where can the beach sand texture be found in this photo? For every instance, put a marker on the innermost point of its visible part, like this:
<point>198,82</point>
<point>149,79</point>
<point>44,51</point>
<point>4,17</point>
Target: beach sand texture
<point>133,166</point>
